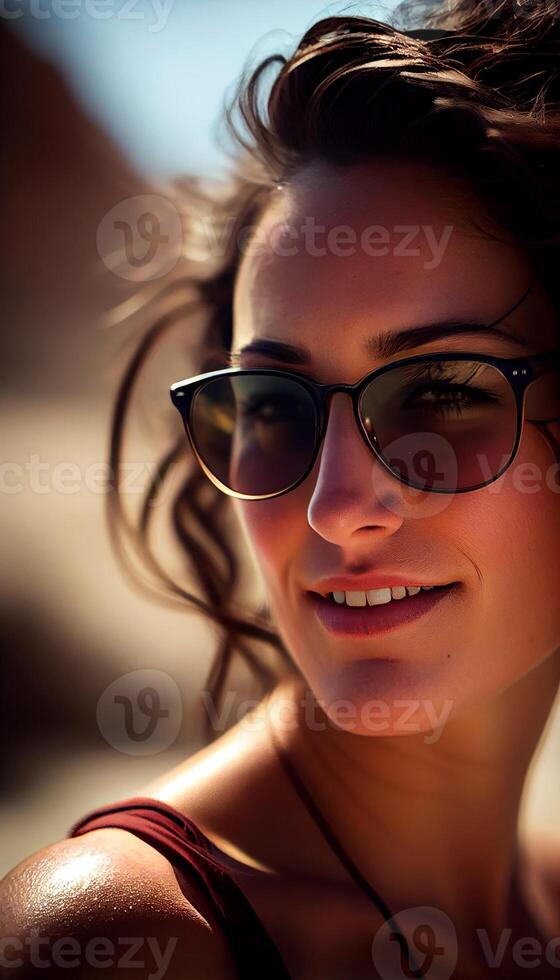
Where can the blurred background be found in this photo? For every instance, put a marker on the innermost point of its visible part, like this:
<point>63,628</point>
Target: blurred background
<point>103,103</point>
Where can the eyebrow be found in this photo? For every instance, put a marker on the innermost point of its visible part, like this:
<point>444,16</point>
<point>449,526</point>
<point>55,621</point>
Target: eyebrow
<point>386,344</point>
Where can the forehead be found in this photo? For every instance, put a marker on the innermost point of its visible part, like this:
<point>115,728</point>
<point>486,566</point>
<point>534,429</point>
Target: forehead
<point>311,277</point>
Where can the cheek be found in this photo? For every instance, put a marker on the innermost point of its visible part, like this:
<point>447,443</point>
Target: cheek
<point>510,531</point>
<point>532,498</point>
<point>274,531</point>
<point>506,538</point>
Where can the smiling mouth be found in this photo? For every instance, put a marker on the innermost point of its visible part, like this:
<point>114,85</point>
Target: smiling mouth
<point>359,599</point>
<point>362,620</point>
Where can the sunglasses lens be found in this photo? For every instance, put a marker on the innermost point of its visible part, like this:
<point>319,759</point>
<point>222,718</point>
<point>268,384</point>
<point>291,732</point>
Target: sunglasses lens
<point>442,425</point>
<point>254,432</point>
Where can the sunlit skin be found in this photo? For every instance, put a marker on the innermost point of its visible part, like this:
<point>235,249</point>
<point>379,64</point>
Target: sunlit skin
<point>429,816</point>
<point>430,822</point>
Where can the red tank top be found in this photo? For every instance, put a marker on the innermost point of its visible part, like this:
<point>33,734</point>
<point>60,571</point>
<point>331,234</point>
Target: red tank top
<point>191,852</point>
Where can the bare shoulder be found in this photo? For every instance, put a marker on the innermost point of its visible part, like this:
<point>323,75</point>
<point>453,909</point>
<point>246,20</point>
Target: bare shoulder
<point>76,904</point>
<point>237,792</point>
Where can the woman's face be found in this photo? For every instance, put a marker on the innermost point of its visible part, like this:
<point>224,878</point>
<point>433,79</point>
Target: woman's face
<point>351,516</point>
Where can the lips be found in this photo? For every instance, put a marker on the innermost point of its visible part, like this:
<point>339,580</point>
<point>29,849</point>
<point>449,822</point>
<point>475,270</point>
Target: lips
<point>377,580</point>
<point>342,620</point>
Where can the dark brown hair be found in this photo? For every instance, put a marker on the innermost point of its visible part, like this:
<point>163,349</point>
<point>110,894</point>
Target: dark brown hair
<point>482,103</point>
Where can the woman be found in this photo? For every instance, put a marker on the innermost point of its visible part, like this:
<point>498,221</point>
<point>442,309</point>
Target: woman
<point>402,198</point>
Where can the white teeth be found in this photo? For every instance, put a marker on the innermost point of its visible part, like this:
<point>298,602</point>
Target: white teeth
<point>377,597</point>
<point>355,598</point>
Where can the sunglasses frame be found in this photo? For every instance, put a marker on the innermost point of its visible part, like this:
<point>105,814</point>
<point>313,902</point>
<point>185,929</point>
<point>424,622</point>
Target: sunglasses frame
<point>519,372</point>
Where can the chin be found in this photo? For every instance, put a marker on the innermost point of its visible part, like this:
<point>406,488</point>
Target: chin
<point>383,696</point>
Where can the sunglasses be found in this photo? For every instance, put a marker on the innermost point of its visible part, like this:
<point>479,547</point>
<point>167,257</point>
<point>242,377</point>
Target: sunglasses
<point>443,422</point>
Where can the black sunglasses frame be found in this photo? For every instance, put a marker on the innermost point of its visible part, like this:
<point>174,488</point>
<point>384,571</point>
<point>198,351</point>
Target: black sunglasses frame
<point>519,372</point>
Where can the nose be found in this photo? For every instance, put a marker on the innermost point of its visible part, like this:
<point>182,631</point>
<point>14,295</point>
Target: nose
<point>353,492</point>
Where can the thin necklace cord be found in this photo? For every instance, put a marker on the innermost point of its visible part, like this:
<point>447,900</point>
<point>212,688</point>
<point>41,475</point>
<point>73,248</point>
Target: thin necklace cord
<point>343,857</point>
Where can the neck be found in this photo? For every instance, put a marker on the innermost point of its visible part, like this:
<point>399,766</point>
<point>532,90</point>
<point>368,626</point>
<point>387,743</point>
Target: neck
<point>431,823</point>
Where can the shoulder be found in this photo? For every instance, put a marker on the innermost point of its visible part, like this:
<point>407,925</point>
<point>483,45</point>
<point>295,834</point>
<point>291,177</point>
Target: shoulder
<point>77,903</point>
<point>238,794</point>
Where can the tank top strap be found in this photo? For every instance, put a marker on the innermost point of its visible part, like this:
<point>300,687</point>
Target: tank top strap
<point>185,846</point>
